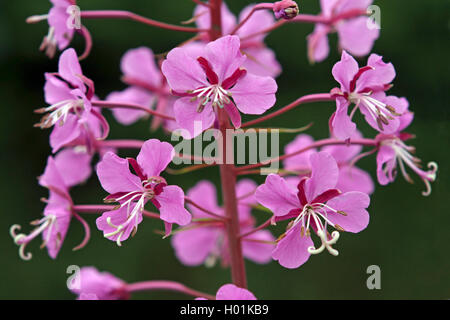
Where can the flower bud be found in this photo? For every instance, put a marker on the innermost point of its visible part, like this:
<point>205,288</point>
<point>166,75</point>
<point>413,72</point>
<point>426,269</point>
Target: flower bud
<point>286,9</point>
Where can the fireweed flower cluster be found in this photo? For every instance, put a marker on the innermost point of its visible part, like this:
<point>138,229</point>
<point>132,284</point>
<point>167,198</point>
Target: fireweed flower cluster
<point>356,33</point>
<point>208,81</point>
<point>205,241</point>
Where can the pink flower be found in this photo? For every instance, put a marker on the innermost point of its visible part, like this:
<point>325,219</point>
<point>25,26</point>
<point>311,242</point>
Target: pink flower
<point>351,178</point>
<point>205,241</point>
<point>147,88</point>
<point>90,284</point>
<point>316,204</point>
<point>393,152</point>
<point>59,34</point>
<point>69,94</point>
<point>355,35</point>
<point>58,211</point>
<point>365,87</point>
<point>261,61</point>
<point>215,80</point>
<point>133,191</point>
<point>232,292</point>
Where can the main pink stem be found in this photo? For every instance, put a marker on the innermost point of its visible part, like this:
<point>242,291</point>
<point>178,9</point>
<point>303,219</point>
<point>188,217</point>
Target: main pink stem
<point>228,175</point>
<point>317,144</point>
<point>112,105</point>
<point>94,208</point>
<point>166,285</point>
<point>119,14</point>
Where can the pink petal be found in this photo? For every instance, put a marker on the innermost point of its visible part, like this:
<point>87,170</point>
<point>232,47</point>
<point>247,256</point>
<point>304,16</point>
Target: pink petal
<point>172,208</point>
<point>324,175</point>
<point>140,64</point>
<point>192,247</point>
<point>58,232</point>
<point>182,71</point>
<point>318,48</point>
<point>342,126</point>
<point>345,70</point>
<point>382,74</point>
<point>115,176</point>
<point>253,94</point>
<point>155,156</point>
<point>261,61</point>
<point>354,204</point>
<point>386,159</point>
<point>133,95</point>
<point>292,251</point>
<point>56,90</point>
<point>354,179</point>
<point>190,120</point>
<point>246,188</point>
<point>52,176</point>
<point>225,56</point>
<point>301,160</point>
<point>63,135</point>
<point>204,194</point>
<point>356,37</point>
<point>57,18</point>
<point>95,285</point>
<point>232,292</point>
<point>256,251</point>
<point>74,166</point>
<point>69,68</point>
<point>277,195</point>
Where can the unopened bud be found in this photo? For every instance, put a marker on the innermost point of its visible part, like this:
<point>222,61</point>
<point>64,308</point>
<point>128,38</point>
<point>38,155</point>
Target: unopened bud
<point>286,9</point>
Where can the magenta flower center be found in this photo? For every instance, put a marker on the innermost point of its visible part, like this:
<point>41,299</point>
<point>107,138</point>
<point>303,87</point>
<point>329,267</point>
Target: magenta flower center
<point>217,92</point>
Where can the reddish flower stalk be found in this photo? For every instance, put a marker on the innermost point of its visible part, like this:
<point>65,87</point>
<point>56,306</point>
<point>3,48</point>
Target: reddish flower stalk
<point>118,14</point>
<point>317,144</point>
<point>259,6</point>
<point>137,144</point>
<point>260,227</point>
<point>188,200</point>
<point>109,105</point>
<point>309,18</point>
<point>166,285</point>
<point>228,176</point>
<point>305,99</point>
<point>87,208</point>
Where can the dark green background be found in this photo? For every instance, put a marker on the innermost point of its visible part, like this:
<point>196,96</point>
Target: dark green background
<point>408,234</point>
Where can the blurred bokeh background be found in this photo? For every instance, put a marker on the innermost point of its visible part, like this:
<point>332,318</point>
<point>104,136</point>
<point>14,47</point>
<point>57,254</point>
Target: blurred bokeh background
<point>408,234</point>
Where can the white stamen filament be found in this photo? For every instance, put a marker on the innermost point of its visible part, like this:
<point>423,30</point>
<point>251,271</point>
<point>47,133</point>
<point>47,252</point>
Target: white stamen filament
<point>220,96</point>
<point>22,239</point>
<point>403,156</point>
<point>312,211</point>
<point>59,112</point>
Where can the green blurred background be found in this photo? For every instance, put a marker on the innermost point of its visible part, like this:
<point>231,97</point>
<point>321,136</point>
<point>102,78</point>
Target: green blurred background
<point>408,234</point>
